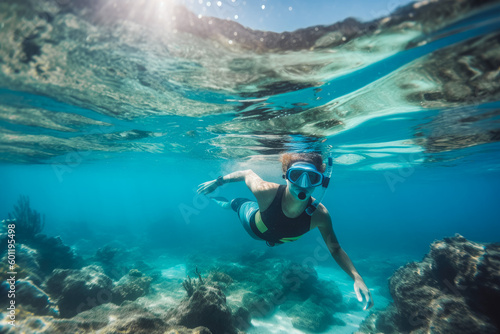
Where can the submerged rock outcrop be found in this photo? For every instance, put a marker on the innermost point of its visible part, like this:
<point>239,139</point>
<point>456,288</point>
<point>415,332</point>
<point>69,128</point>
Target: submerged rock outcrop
<point>34,299</point>
<point>79,290</point>
<point>131,286</point>
<point>267,285</point>
<point>205,305</point>
<point>106,319</point>
<point>454,289</point>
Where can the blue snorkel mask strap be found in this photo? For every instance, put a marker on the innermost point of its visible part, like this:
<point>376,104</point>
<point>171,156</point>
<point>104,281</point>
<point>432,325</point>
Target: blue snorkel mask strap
<point>326,181</point>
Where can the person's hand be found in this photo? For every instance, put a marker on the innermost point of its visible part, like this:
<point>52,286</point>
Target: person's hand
<point>207,187</point>
<point>361,290</point>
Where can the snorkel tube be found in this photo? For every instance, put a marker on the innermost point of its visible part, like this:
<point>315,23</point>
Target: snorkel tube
<point>326,181</point>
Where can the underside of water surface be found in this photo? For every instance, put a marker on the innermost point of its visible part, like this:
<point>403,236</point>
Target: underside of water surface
<point>109,78</point>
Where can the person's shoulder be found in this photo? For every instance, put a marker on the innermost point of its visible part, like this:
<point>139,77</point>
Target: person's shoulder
<point>321,216</point>
<point>321,211</point>
<point>265,194</point>
<point>267,186</point>
<point>269,189</point>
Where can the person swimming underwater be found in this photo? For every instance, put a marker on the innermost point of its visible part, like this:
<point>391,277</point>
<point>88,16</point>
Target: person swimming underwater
<point>283,213</point>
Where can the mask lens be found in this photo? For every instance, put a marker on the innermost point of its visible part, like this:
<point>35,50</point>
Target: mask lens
<point>295,174</point>
<point>314,177</point>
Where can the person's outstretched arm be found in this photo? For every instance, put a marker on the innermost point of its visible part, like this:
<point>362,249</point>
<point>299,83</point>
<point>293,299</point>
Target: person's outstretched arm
<point>325,227</point>
<point>252,180</point>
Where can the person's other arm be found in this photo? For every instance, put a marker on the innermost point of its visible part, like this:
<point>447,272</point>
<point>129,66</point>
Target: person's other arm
<point>341,257</point>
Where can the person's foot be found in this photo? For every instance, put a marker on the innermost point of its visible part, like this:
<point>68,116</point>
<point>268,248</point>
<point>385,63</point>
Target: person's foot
<point>222,202</point>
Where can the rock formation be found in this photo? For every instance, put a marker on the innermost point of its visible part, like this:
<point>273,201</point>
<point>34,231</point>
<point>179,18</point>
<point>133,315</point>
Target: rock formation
<point>79,290</point>
<point>454,289</point>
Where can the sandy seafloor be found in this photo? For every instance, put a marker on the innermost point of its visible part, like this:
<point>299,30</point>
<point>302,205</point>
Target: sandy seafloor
<point>279,322</point>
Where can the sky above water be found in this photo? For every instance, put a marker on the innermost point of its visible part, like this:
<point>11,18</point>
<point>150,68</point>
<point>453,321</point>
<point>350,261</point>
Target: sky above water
<point>289,15</point>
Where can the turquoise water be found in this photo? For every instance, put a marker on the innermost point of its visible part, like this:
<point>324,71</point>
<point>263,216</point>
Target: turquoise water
<point>109,128</point>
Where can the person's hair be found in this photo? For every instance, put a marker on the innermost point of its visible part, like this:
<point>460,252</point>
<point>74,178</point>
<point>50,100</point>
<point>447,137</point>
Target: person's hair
<point>289,159</point>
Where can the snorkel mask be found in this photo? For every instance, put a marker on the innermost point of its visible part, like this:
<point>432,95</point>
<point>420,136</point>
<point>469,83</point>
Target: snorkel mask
<point>302,178</point>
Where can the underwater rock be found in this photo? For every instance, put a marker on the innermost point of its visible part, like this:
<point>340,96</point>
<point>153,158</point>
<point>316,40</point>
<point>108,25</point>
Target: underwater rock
<point>272,283</point>
<point>106,254</point>
<point>327,295</point>
<point>205,307</point>
<point>53,253</point>
<point>106,319</point>
<point>131,287</point>
<point>299,279</point>
<point>310,302</point>
<point>34,299</point>
<point>258,305</point>
<point>110,259</point>
<point>79,290</point>
<point>454,289</point>
<point>27,264</point>
<point>242,319</point>
<point>221,279</point>
<point>387,322</point>
<point>310,317</point>
<point>135,273</point>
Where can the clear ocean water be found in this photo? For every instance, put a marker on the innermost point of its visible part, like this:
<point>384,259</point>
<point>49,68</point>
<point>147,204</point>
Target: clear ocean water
<point>110,120</point>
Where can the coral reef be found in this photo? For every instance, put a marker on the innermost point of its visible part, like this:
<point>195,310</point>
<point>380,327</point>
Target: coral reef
<point>90,301</point>
<point>29,222</point>
<point>455,289</point>
<point>58,295</point>
<point>190,286</point>
<point>38,253</point>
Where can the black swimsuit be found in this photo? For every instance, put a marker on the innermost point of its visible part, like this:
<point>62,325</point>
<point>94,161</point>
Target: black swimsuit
<point>274,227</point>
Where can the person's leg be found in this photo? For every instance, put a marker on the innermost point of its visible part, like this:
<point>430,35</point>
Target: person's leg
<point>238,202</point>
<point>244,207</point>
<point>246,210</point>
<point>222,202</point>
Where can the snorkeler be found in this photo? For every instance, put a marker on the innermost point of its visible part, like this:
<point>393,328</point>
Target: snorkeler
<point>283,213</point>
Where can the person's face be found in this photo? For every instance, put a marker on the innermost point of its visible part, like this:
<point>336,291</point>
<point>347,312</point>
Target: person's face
<point>299,193</point>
